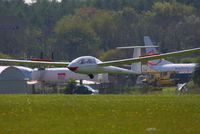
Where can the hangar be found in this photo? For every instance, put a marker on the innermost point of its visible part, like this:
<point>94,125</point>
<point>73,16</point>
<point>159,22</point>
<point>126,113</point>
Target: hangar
<point>13,80</point>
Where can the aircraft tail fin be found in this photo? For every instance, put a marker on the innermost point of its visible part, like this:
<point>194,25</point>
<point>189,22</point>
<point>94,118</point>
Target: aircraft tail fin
<point>137,67</point>
<point>148,42</point>
<point>153,51</point>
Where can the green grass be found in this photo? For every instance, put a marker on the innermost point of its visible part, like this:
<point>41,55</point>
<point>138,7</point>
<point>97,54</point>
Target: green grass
<point>99,114</point>
<point>169,90</point>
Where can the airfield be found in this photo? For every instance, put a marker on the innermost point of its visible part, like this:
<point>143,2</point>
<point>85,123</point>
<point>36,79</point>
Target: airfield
<point>97,114</point>
<point>50,47</point>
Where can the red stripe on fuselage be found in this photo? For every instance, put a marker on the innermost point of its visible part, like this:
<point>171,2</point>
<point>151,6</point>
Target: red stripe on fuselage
<point>61,74</point>
<point>150,55</point>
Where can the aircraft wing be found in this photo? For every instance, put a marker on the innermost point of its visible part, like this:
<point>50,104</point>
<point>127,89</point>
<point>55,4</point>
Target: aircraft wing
<point>141,59</point>
<point>45,63</point>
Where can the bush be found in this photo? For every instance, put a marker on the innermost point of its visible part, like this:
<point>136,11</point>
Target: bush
<point>196,75</point>
<point>70,86</point>
<point>192,88</point>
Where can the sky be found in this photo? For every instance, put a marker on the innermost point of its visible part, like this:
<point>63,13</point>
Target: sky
<point>27,1</point>
<point>30,1</point>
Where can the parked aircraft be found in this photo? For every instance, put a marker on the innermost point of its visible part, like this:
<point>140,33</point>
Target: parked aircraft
<point>90,65</point>
<point>164,65</point>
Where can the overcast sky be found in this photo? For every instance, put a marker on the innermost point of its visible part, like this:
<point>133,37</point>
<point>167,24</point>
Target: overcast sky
<point>29,1</point>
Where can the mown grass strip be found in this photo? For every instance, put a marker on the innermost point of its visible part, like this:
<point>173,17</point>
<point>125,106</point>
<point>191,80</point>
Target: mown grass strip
<point>74,114</point>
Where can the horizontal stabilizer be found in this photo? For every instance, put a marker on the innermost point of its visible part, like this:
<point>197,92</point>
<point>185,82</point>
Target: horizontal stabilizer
<point>132,47</point>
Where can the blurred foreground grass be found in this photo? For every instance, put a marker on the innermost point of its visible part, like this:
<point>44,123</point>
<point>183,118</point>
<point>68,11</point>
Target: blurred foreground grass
<point>99,114</point>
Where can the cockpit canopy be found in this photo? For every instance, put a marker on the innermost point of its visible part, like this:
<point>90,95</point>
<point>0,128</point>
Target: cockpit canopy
<point>86,60</point>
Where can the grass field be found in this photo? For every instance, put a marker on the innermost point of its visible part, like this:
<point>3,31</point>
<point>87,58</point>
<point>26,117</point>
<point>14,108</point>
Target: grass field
<point>99,114</point>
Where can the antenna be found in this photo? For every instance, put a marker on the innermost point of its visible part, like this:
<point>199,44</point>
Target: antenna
<point>41,55</point>
<point>52,56</point>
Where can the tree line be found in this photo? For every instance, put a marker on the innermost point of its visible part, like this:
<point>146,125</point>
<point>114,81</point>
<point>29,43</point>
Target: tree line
<point>73,28</point>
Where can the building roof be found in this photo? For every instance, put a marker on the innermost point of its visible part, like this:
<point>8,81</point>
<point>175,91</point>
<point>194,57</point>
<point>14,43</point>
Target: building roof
<point>15,73</point>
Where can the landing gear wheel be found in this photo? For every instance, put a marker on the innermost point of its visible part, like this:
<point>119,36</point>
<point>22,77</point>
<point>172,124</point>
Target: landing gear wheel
<point>91,76</point>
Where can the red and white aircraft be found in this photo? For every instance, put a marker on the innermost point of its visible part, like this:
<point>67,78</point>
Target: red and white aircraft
<point>90,65</point>
<point>164,65</point>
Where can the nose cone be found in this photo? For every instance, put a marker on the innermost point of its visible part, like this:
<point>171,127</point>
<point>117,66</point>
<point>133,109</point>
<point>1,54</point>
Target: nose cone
<point>73,68</point>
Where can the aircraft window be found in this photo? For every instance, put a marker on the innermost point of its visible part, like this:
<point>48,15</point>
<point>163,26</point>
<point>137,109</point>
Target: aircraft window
<point>82,61</point>
<point>87,61</point>
<point>91,61</point>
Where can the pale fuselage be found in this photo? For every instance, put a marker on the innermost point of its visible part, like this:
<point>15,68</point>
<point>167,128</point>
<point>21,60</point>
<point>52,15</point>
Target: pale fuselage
<point>180,68</point>
<point>60,75</point>
<point>96,70</point>
<point>89,65</point>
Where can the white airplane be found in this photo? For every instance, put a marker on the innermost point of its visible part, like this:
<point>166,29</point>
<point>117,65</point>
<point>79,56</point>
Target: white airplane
<point>164,65</point>
<point>90,65</point>
<point>54,75</point>
<point>60,75</point>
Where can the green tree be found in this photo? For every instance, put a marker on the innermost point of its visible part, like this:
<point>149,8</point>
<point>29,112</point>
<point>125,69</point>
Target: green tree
<point>162,23</point>
<point>196,75</point>
<point>35,41</point>
<point>70,86</point>
<point>116,28</point>
<point>4,56</point>
<point>94,26</point>
<point>75,38</point>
